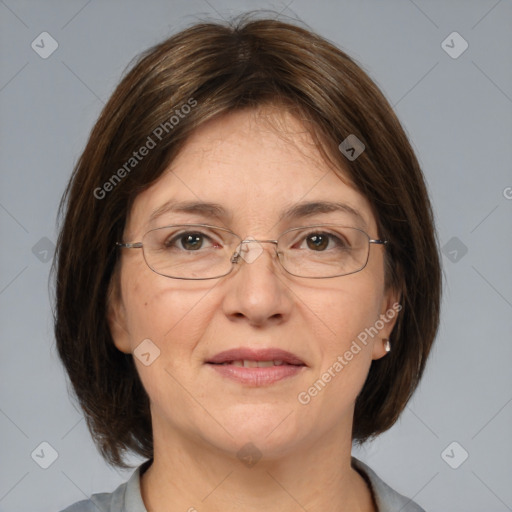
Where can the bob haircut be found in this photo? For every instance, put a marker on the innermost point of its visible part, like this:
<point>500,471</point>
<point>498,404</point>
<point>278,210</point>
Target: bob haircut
<point>209,70</point>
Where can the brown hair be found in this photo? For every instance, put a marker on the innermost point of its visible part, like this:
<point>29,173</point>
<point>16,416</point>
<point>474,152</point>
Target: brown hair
<point>216,69</point>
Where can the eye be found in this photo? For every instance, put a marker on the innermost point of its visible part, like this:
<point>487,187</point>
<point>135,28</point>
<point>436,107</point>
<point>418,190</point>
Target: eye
<point>189,241</point>
<point>318,241</point>
<point>321,241</point>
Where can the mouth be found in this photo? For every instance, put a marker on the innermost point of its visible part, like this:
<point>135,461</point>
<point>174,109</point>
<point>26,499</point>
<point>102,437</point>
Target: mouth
<point>256,367</point>
<point>249,363</point>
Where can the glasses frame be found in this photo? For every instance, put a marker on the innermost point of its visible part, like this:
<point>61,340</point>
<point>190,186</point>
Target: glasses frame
<point>235,258</point>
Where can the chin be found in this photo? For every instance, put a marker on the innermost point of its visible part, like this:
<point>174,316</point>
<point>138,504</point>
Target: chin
<point>270,428</point>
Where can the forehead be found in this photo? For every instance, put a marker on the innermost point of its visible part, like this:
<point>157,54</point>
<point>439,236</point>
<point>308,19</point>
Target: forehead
<point>258,166</point>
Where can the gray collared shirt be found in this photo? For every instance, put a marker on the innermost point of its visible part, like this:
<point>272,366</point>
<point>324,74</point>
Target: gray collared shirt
<point>127,497</point>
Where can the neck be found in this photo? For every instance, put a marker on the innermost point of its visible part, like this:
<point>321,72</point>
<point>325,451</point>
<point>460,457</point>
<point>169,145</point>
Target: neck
<point>187,475</point>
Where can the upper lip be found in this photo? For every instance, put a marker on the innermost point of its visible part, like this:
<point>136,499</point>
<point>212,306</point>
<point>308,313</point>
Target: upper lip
<point>251,354</point>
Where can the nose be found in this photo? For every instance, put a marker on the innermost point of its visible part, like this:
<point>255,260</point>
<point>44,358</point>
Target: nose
<point>249,253</point>
<point>256,292</point>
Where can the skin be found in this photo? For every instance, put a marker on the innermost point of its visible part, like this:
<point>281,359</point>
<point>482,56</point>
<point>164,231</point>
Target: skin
<point>254,163</point>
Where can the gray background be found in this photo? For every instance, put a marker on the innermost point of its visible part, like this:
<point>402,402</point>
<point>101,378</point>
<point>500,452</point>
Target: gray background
<point>458,113</point>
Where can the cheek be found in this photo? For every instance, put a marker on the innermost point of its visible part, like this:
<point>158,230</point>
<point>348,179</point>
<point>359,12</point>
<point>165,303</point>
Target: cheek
<point>174,320</point>
<point>346,311</point>
<point>167,312</point>
<point>342,317</point>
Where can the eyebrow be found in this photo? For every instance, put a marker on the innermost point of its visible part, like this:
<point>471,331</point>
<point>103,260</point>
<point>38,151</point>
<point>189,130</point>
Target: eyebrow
<point>218,212</point>
<point>308,209</point>
<point>206,209</point>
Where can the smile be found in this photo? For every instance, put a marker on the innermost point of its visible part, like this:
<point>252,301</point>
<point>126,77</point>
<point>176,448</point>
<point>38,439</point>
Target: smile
<point>248,363</point>
<point>256,375</point>
<point>256,367</point>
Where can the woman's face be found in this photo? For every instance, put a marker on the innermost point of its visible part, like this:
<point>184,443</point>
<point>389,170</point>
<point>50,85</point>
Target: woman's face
<point>241,162</point>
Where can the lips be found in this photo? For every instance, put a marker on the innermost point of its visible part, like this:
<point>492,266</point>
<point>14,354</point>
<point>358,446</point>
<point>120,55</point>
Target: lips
<point>248,363</point>
<point>256,368</point>
<point>256,358</point>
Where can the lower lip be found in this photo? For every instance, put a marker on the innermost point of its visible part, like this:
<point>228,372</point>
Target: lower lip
<point>257,376</point>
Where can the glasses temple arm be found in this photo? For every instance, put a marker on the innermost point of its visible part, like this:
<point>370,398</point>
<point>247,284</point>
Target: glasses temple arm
<point>132,245</point>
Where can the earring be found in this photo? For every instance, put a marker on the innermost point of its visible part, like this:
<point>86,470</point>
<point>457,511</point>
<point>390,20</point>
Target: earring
<point>387,346</point>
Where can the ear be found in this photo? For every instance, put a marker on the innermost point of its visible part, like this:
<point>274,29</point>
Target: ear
<point>390,309</point>
<point>116,317</point>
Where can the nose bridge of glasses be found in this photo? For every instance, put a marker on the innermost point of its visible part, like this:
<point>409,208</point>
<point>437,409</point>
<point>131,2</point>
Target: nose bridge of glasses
<point>249,253</point>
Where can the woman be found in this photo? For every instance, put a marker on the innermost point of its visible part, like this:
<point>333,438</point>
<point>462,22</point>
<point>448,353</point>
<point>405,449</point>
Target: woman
<point>248,278</point>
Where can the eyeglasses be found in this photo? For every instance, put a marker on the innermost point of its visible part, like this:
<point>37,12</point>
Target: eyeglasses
<point>201,251</point>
